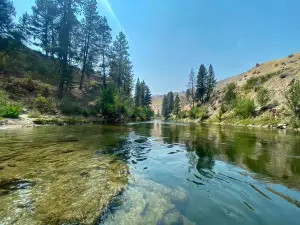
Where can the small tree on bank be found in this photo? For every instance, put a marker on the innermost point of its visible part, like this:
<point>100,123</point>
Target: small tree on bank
<point>192,87</point>
<point>292,96</point>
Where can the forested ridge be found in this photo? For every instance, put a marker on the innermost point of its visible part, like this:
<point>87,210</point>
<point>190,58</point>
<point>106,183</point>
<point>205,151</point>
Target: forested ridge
<point>75,39</point>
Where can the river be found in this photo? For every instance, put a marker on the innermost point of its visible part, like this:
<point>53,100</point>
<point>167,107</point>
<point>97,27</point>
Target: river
<point>149,173</point>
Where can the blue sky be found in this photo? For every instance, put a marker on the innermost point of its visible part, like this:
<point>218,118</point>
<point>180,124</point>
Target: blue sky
<point>169,37</point>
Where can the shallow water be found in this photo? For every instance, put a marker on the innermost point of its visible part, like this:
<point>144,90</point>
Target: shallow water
<point>179,174</point>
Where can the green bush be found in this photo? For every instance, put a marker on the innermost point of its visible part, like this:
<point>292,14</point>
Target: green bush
<point>199,113</point>
<point>244,108</point>
<point>263,97</point>
<point>142,114</point>
<point>27,83</point>
<point>92,83</point>
<point>222,110</point>
<point>292,96</point>
<point>11,110</point>
<point>43,104</point>
<point>44,89</point>
<point>230,94</point>
<point>34,114</point>
<point>7,108</point>
<point>255,82</point>
<point>69,107</point>
<point>183,114</point>
<point>251,83</point>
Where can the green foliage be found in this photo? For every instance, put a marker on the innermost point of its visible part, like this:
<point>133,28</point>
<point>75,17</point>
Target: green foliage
<point>201,86</point>
<point>230,94</point>
<point>142,96</point>
<point>254,82</point>
<point>210,82</point>
<point>11,110</point>
<point>292,96</point>
<point>69,107</point>
<point>251,83</point>
<point>184,114</point>
<point>199,113</point>
<point>7,108</point>
<point>191,87</point>
<point>142,113</point>
<point>92,83</point>
<point>244,108</point>
<point>108,101</point>
<point>165,108</point>
<point>177,106</point>
<point>170,100</point>
<point>222,110</point>
<point>34,114</point>
<point>263,96</point>
<point>43,104</point>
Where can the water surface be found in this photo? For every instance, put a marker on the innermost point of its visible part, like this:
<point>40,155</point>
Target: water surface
<point>178,174</point>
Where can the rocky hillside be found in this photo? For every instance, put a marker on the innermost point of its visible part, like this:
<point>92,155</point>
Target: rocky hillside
<point>275,76</point>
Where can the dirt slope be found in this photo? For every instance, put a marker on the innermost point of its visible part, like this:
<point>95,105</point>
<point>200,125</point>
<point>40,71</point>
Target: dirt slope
<point>281,72</point>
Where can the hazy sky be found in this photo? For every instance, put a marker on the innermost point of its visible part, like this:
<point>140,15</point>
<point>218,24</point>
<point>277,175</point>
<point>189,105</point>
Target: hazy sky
<point>169,37</point>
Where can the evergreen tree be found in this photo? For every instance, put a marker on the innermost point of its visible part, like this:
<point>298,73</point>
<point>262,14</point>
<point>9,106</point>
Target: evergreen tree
<point>103,43</point>
<point>201,86</point>
<point>147,97</point>
<point>188,95</point>
<point>170,100</point>
<point>211,82</point>
<point>165,108</point>
<point>177,106</point>
<point>142,94</point>
<point>121,67</point>
<point>191,86</point>
<point>44,12</point>
<point>89,27</point>
<point>137,93</point>
<point>68,18</point>
<point>24,27</point>
<point>7,14</point>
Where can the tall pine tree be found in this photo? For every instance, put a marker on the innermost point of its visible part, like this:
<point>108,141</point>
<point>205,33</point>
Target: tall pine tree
<point>165,108</point>
<point>89,27</point>
<point>211,82</point>
<point>103,43</point>
<point>137,94</point>
<point>170,99</point>
<point>177,106</point>
<point>192,86</point>
<point>147,97</point>
<point>201,86</point>
<point>7,14</point>
<point>68,17</point>
<point>121,67</point>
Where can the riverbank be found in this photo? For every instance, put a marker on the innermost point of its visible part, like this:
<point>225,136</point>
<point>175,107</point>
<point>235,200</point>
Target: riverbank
<point>25,121</point>
<point>251,122</point>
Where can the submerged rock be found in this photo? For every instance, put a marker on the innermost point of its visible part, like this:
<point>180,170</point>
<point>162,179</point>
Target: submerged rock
<point>147,202</point>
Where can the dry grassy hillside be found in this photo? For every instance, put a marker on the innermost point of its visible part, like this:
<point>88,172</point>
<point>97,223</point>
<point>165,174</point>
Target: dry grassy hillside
<point>276,76</point>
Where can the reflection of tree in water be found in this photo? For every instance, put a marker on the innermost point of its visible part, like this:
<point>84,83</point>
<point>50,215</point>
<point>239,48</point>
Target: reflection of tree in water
<point>144,129</point>
<point>171,133</point>
<point>271,154</point>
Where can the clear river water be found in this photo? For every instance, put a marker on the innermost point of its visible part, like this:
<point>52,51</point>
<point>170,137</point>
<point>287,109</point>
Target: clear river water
<point>149,173</point>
